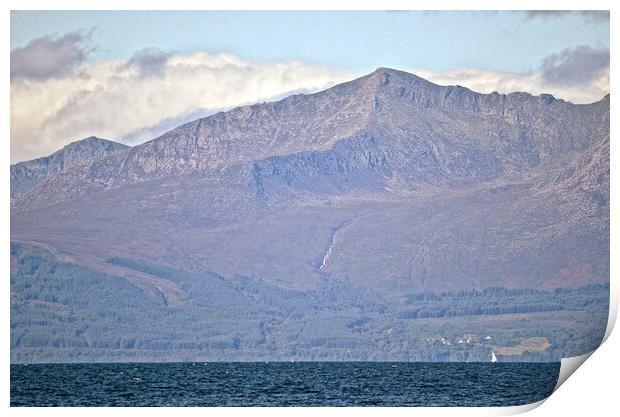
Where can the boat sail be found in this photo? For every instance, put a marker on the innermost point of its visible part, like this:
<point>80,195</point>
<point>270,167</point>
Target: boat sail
<point>493,357</point>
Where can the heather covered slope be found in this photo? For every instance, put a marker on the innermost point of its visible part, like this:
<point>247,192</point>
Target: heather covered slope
<point>28,174</point>
<point>388,181</point>
<point>387,186</point>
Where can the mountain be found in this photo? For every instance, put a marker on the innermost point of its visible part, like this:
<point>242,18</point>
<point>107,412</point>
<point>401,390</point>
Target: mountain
<point>432,135</point>
<point>348,203</point>
<point>28,174</point>
<point>368,156</point>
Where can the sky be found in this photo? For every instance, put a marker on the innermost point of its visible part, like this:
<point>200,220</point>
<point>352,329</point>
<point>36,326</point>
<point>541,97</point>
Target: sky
<point>131,76</point>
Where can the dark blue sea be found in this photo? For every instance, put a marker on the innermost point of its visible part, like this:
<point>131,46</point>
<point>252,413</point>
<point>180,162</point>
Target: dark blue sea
<point>282,384</point>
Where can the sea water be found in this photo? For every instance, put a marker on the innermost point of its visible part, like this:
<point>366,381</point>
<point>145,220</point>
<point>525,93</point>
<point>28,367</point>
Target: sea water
<point>282,384</point>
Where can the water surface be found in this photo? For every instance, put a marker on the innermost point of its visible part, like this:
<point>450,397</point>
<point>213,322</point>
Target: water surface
<point>282,384</point>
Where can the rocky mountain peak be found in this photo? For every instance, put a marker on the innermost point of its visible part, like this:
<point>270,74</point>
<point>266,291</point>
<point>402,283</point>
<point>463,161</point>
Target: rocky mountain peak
<point>28,174</point>
<point>390,128</point>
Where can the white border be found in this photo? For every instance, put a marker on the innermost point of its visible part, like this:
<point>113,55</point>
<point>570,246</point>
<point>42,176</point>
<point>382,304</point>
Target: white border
<point>594,389</point>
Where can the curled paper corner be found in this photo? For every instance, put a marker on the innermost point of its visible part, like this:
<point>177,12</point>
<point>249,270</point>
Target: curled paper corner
<point>568,366</point>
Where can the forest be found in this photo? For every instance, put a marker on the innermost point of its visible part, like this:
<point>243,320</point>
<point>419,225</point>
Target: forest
<point>64,312</point>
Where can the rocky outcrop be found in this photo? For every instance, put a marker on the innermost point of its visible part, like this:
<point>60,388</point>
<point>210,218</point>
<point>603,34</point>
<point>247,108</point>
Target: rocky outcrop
<point>27,175</point>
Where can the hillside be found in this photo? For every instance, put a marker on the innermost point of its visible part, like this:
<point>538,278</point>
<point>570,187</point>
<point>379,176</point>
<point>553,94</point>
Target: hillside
<point>381,188</point>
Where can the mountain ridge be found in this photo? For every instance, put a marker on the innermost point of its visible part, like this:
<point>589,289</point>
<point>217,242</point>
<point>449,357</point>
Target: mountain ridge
<point>26,175</point>
<point>389,142</point>
<point>294,125</point>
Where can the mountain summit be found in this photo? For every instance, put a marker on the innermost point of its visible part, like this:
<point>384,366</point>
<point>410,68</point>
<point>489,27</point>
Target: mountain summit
<point>28,174</point>
<point>426,134</point>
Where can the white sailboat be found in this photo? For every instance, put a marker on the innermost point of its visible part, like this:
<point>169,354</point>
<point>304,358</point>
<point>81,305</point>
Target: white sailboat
<point>493,357</point>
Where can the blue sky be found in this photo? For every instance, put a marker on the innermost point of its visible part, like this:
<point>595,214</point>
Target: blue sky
<point>359,41</point>
<point>130,76</point>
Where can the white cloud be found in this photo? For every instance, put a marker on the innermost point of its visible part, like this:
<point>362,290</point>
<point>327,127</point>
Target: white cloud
<point>575,66</point>
<point>150,61</point>
<point>50,56</point>
<point>115,100</point>
<point>487,81</point>
<point>137,100</point>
